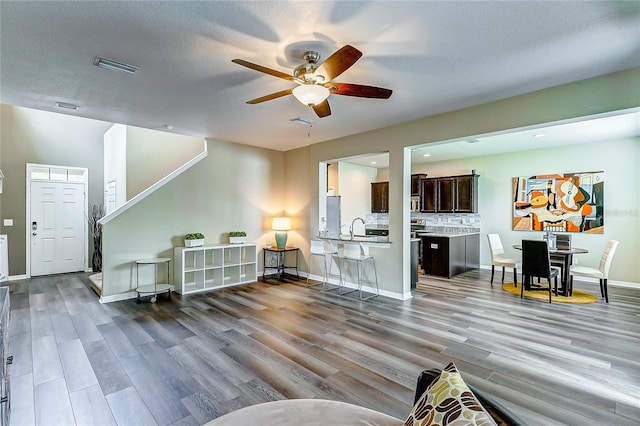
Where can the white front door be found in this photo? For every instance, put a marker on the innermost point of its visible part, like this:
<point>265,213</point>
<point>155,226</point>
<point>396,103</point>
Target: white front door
<point>57,227</point>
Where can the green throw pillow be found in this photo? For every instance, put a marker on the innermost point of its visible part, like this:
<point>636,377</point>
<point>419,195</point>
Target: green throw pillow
<point>448,401</point>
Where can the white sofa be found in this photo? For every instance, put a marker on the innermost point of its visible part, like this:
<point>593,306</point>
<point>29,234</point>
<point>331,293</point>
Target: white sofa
<point>307,412</point>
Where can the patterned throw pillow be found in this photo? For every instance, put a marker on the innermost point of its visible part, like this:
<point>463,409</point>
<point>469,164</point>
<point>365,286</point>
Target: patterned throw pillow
<point>448,401</point>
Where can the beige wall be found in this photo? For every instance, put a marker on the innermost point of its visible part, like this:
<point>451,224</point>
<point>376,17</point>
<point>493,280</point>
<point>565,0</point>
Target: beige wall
<point>152,154</point>
<point>603,94</point>
<point>242,187</point>
<point>31,136</point>
<point>618,159</point>
<point>236,187</point>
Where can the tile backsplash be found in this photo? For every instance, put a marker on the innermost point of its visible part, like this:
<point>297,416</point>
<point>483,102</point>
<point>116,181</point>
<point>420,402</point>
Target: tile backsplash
<point>454,222</point>
<point>440,222</point>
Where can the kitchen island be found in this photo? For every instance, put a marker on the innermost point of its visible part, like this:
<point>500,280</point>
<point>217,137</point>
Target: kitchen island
<point>446,254</point>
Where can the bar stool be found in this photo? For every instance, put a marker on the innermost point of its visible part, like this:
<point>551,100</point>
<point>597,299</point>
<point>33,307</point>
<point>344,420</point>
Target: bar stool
<point>318,249</point>
<point>353,253</point>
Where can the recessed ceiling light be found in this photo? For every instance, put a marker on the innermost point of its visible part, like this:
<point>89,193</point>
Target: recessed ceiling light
<point>66,105</point>
<point>168,126</point>
<point>539,135</point>
<point>111,65</point>
<point>427,155</point>
<point>374,162</point>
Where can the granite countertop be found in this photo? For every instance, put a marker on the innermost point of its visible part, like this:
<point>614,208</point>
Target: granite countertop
<point>356,239</point>
<point>446,234</point>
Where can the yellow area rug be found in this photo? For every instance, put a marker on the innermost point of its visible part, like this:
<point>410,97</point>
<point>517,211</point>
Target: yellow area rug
<point>578,297</point>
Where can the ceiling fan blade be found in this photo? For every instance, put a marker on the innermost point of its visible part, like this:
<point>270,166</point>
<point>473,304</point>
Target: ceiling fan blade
<point>323,109</point>
<point>339,62</point>
<point>263,69</point>
<point>270,97</point>
<point>358,90</point>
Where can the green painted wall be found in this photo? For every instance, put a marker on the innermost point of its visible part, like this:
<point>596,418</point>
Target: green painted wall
<point>612,92</point>
<point>236,187</point>
<point>620,161</point>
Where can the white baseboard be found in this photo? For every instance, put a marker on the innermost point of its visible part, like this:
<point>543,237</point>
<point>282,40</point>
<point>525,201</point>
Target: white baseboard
<point>124,296</point>
<point>18,277</point>
<point>367,289</point>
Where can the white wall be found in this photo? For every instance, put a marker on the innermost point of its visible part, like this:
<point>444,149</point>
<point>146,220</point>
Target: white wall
<point>115,164</point>
<point>355,193</point>
<point>620,161</point>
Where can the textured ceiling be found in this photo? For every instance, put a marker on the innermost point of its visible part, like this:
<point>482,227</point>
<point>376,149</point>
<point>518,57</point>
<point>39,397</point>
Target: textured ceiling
<point>436,56</point>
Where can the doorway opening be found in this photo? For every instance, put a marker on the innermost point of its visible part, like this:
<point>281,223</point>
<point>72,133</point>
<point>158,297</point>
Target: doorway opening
<point>57,209</point>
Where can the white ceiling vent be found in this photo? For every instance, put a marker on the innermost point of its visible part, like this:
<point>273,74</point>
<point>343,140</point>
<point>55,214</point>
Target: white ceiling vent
<point>110,64</point>
<point>303,121</point>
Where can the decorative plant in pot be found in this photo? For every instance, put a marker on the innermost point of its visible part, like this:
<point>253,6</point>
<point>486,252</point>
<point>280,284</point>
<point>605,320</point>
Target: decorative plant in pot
<point>237,237</point>
<point>97,212</point>
<point>195,239</point>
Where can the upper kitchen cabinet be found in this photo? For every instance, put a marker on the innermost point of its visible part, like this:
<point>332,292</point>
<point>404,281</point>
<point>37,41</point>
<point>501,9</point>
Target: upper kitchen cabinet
<point>451,194</point>
<point>380,197</point>
<point>415,183</point>
<point>466,194</point>
<point>428,195</point>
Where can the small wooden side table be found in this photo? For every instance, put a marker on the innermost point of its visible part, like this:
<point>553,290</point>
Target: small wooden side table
<point>156,287</point>
<point>277,261</point>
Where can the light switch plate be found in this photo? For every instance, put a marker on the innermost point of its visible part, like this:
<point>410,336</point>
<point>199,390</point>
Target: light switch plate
<point>7,222</point>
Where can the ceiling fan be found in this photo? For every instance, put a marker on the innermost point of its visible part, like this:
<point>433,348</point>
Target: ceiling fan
<point>315,81</point>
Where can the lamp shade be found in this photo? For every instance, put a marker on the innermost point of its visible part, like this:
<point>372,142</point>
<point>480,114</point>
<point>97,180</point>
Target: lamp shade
<point>281,224</point>
<point>311,94</point>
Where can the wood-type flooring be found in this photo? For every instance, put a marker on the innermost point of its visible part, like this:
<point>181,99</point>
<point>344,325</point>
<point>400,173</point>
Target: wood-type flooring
<point>194,358</point>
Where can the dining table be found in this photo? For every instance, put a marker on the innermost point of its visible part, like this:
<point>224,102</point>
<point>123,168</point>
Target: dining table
<point>567,256</point>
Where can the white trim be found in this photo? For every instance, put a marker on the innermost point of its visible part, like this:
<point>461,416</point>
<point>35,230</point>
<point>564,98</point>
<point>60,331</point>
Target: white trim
<point>144,194</point>
<point>126,296</point>
<point>18,277</point>
<point>118,297</point>
<point>29,167</point>
<point>382,292</point>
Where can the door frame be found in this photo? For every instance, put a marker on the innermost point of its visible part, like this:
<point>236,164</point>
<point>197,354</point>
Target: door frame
<point>29,169</point>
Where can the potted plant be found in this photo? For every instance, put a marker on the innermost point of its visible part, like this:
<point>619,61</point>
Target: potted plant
<point>237,237</point>
<point>195,239</point>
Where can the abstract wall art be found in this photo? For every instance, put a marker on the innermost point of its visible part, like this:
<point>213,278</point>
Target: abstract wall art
<point>571,202</point>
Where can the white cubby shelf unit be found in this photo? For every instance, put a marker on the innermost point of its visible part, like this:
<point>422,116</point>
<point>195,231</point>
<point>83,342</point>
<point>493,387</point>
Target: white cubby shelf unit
<point>206,268</point>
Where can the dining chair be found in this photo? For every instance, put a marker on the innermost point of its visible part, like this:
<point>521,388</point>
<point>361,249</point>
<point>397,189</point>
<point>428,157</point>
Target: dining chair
<point>536,263</point>
<point>563,242</point>
<point>498,259</point>
<point>601,273</point>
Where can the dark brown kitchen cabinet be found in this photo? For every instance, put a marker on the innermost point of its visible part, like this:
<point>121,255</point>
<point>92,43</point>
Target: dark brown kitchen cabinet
<point>380,197</point>
<point>452,194</point>
<point>466,194</point>
<point>446,256</point>
<point>415,183</point>
<point>446,195</point>
<point>428,195</point>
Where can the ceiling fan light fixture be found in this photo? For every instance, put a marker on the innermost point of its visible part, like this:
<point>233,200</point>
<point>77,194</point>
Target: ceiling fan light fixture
<point>311,94</point>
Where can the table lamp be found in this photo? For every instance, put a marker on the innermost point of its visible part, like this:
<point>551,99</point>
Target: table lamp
<point>281,225</point>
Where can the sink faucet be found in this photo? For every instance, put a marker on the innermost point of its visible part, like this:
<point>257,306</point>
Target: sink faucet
<point>353,223</point>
